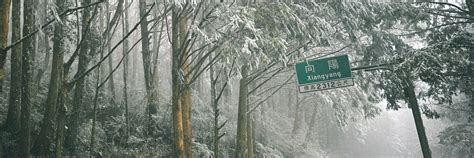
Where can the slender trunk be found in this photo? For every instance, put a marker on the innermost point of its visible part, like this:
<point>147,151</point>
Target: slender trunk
<point>43,47</point>
<point>110,61</point>
<point>185,97</point>
<point>134,66</point>
<point>111,80</point>
<point>471,79</point>
<point>28,49</point>
<point>250,136</point>
<point>125,71</point>
<point>177,112</point>
<point>409,90</point>
<point>94,117</point>
<point>71,142</point>
<point>214,106</point>
<point>147,67</point>
<point>13,116</point>
<point>241,146</point>
<point>44,142</point>
<point>470,71</point>
<point>57,78</point>
<point>61,125</point>
<point>4,23</point>
<point>156,60</point>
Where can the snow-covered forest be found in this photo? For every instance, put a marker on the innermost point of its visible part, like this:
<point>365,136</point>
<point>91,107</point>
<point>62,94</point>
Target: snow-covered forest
<point>218,78</point>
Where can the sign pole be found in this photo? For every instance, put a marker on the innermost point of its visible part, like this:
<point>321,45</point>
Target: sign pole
<point>420,129</point>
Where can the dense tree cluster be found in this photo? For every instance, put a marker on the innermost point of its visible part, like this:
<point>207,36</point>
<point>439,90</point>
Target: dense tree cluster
<point>209,78</point>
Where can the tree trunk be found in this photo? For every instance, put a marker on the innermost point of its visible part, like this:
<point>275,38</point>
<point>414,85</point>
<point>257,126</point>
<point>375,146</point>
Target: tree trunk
<point>177,109</point>
<point>250,136</point>
<point>111,79</point>
<point>133,76</point>
<point>28,49</point>
<point>110,61</point>
<point>470,71</point>
<point>57,78</point>
<point>214,106</point>
<point>94,111</point>
<point>147,67</point>
<point>241,146</point>
<point>13,116</point>
<point>44,142</point>
<point>409,90</point>
<point>4,23</point>
<point>42,44</point>
<point>79,91</point>
<point>471,79</point>
<point>125,70</point>
<point>61,123</point>
<point>156,51</point>
<point>185,99</point>
<point>185,96</point>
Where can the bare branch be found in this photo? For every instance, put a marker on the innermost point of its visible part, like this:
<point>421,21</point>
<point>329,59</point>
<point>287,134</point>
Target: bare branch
<point>225,84</point>
<point>265,81</point>
<point>222,125</point>
<point>113,49</point>
<point>120,62</point>
<point>68,64</point>
<point>50,22</point>
<point>268,97</point>
<point>223,134</point>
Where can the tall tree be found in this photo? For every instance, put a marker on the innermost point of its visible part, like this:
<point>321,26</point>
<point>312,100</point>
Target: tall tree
<point>77,102</point>
<point>125,27</point>
<point>470,6</point>
<point>57,81</point>
<point>13,117</point>
<point>151,95</point>
<point>4,25</point>
<point>177,109</point>
<point>184,73</point>
<point>185,97</point>
<point>45,138</point>
<point>214,105</point>
<point>215,97</point>
<point>26,70</point>
<point>109,36</point>
<point>43,46</point>
<point>410,94</point>
<point>241,148</point>
<point>12,123</point>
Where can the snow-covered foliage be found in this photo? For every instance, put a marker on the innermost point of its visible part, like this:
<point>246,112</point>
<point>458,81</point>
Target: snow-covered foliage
<point>410,41</point>
<point>460,137</point>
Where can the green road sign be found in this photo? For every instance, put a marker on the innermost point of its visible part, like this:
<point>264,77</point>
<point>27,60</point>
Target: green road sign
<point>321,74</point>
